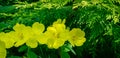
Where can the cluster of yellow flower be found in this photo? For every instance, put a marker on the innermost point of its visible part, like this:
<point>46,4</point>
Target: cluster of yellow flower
<point>54,37</point>
<point>2,50</point>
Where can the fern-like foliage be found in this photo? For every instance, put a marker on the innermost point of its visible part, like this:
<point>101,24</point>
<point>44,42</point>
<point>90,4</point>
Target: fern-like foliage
<point>100,19</point>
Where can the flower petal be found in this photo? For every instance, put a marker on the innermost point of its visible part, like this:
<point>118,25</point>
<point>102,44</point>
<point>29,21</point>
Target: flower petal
<point>80,42</point>
<point>58,43</point>
<point>19,27</point>
<point>32,43</point>
<point>77,37</point>
<point>77,32</point>
<point>38,28</point>
<point>2,50</point>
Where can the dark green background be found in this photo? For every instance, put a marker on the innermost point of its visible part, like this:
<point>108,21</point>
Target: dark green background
<point>99,19</point>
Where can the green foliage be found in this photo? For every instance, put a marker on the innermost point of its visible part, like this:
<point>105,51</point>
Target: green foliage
<point>64,54</point>
<point>14,57</point>
<point>100,19</point>
<point>31,54</point>
<point>22,48</point>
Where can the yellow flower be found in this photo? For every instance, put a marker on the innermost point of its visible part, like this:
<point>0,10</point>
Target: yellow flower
<point>77,37</point>
<point>19,27</point>
<point>37,29</point>
<point>54,39</point>
<point>2,50</point>
<point>56,34</point>
<point>28,35</point>
<point>42,38</point>
<point>32,42</point>
<point>8,39</point>
<point>22,34</point>
<point>59,21</point>
<point>37,32</point>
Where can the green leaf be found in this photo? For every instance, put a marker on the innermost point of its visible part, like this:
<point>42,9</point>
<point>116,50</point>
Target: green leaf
<point>22,48</point>
<point>31,54</point>
<point>64,55</point>
<point>67,48</point>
